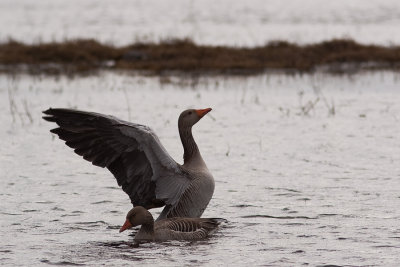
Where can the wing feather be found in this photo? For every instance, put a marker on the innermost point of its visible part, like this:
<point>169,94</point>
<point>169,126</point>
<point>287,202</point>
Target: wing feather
<point>132,152</point>
<point>188,228</point>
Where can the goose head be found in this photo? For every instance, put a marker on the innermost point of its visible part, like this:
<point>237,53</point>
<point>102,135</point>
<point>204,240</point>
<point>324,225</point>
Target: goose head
<point>190,117</point>
<point>137,216</point>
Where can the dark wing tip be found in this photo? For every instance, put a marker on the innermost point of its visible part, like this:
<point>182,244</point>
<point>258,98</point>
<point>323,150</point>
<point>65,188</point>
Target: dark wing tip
<point>50,114</point>
<point>54,113</point>
<point>56,130</point>
<point>49,118</point>
<point>48,111</point>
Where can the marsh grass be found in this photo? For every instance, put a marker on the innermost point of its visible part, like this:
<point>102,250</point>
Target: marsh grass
<point>83,56</point>
<point>307,107</point>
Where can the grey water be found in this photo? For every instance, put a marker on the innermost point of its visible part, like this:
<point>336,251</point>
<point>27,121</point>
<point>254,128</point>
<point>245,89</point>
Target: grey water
<point>306,167</point>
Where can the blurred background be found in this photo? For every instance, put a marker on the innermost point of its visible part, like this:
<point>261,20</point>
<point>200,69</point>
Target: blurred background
<point>222,22</point>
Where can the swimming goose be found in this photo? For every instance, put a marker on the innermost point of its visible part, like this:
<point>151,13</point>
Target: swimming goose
<point>170,228</point>
<point>135,156</point>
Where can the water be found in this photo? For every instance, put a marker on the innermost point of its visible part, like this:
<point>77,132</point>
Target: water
<point>298,185</point>
<point>306,166</point>
<point>217,22</point>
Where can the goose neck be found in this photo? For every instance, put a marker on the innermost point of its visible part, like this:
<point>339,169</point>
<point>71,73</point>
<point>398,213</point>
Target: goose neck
<point>148,227</point>
<point>189,145</point>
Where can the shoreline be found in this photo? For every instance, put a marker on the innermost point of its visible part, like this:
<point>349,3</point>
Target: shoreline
<point>183,56</point>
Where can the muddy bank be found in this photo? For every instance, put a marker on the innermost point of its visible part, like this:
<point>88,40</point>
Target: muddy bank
<point>85,56</point>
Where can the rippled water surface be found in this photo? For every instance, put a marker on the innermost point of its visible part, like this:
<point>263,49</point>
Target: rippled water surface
<point>306,168</point>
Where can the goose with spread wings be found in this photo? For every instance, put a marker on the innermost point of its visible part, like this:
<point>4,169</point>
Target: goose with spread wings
<point>137,159</point>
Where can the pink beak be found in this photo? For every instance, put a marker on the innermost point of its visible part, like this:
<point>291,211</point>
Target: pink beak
<point>126,225</point>
<point>202,112</point>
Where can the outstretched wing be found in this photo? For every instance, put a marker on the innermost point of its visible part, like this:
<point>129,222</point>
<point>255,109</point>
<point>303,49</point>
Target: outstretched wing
<point>132,152</point>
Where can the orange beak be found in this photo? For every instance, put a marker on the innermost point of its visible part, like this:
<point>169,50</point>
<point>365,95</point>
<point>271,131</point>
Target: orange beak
<point>202,112</point>
<point>126,225</point>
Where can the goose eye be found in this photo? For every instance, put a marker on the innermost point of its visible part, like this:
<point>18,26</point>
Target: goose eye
<point>190,113</point>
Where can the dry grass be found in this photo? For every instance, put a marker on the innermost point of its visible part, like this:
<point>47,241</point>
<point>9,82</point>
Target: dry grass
<point>185,56</point>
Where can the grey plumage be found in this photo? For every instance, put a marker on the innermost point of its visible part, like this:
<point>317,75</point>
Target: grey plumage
<point>135,156</point>
<point>177,228</point>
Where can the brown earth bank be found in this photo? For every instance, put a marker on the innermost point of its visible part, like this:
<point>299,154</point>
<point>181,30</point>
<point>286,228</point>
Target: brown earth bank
<point>85,56</point>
